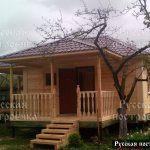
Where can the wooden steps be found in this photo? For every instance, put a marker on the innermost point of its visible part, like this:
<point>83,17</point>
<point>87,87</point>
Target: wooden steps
<point>58,126</point>
<point>56,133</point>
<point>50,136</point>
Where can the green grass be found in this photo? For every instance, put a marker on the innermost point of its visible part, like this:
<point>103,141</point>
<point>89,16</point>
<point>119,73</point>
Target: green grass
<point>21,140</point>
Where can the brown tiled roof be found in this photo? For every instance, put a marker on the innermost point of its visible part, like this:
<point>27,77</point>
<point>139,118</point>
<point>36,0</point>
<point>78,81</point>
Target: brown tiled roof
<point>75,45</point>
<point>113,45</point>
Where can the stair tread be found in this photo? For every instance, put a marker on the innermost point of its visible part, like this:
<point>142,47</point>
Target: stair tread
<point>41,141</point>
<point>54,131</point>
<point>50,136</point>
<point>64,121</point>
<point>59,126</point>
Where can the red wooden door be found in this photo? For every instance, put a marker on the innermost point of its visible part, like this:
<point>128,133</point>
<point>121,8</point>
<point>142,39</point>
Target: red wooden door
<point>67,91</point>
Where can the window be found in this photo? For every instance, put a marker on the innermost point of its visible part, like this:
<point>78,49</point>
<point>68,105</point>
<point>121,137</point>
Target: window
<point>48,79</point>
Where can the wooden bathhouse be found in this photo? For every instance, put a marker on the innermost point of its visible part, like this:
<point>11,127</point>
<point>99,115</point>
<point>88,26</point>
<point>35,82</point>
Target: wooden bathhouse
<point>67,85</point>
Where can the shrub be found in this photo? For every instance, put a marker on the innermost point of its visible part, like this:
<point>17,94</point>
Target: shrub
<point>75,140</point>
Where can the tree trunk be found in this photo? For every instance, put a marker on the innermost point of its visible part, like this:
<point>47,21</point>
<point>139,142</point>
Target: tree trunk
<point>122,120</point>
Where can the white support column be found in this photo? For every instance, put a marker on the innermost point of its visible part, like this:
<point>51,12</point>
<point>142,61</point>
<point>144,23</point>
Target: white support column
<point>11,89</point>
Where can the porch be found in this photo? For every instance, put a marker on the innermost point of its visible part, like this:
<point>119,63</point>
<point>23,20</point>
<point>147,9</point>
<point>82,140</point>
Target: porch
<point>79,88</point>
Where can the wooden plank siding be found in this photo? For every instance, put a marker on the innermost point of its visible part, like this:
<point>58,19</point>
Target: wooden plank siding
<point>145,96</point>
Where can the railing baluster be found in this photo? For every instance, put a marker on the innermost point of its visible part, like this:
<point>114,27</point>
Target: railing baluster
<point>38,109</point>
<point>34,104</point>
<point>92,103</point>
<point>87,99</point>
<point>110,99</point>
<point>104,109</point>
<point>19,105</point>
<point>42,105</point>
<point>84,103</point>
<point>24,105</point>
<point>30,104</point>
<point>27,104</point>
<point>17,110</point>
<point>50,104</point>
<point>46,104</point>
<point>102,99</point>
<point>107,103</point>
<point>88,104</point>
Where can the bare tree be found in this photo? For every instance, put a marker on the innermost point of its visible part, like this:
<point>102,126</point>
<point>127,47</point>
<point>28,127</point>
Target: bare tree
<point>95,23</point>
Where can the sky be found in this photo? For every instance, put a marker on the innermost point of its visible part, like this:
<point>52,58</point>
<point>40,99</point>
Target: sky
<point>19,18</point>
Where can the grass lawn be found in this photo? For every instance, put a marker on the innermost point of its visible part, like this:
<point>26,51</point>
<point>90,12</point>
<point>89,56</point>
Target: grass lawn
<point>23,137</point>
<point>21,140</point>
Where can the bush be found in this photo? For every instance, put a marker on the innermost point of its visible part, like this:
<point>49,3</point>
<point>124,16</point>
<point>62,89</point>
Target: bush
<point>75,140</point>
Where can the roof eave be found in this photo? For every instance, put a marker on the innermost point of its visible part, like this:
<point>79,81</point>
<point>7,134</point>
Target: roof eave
<point>55,55</point>
<point>49,55</point>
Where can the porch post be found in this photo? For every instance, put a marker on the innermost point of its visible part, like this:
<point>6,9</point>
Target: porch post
<point>52,76</point>
<point>99,100</point>
<point>52,88</point>
<point>11,89</point>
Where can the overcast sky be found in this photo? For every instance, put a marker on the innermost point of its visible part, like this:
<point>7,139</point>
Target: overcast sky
<point>18,19</point>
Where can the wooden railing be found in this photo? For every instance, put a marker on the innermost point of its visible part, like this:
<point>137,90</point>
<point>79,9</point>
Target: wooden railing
<point>109,103</point>
<point>88,103</point>
<point>33,105</point>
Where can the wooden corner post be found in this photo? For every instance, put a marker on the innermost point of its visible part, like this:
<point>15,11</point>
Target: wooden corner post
<point>53,90</point>
<point>11,89</point>
<point>99,100</point>
<point>52,76</point>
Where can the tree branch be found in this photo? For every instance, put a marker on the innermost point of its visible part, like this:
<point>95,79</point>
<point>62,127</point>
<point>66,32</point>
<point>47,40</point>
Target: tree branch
<point>115,77</point>
<point>136,79</point>
<point>124,77</point>
<point>131,90</point>
<point>130,57</point>
<point>101,49</point>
